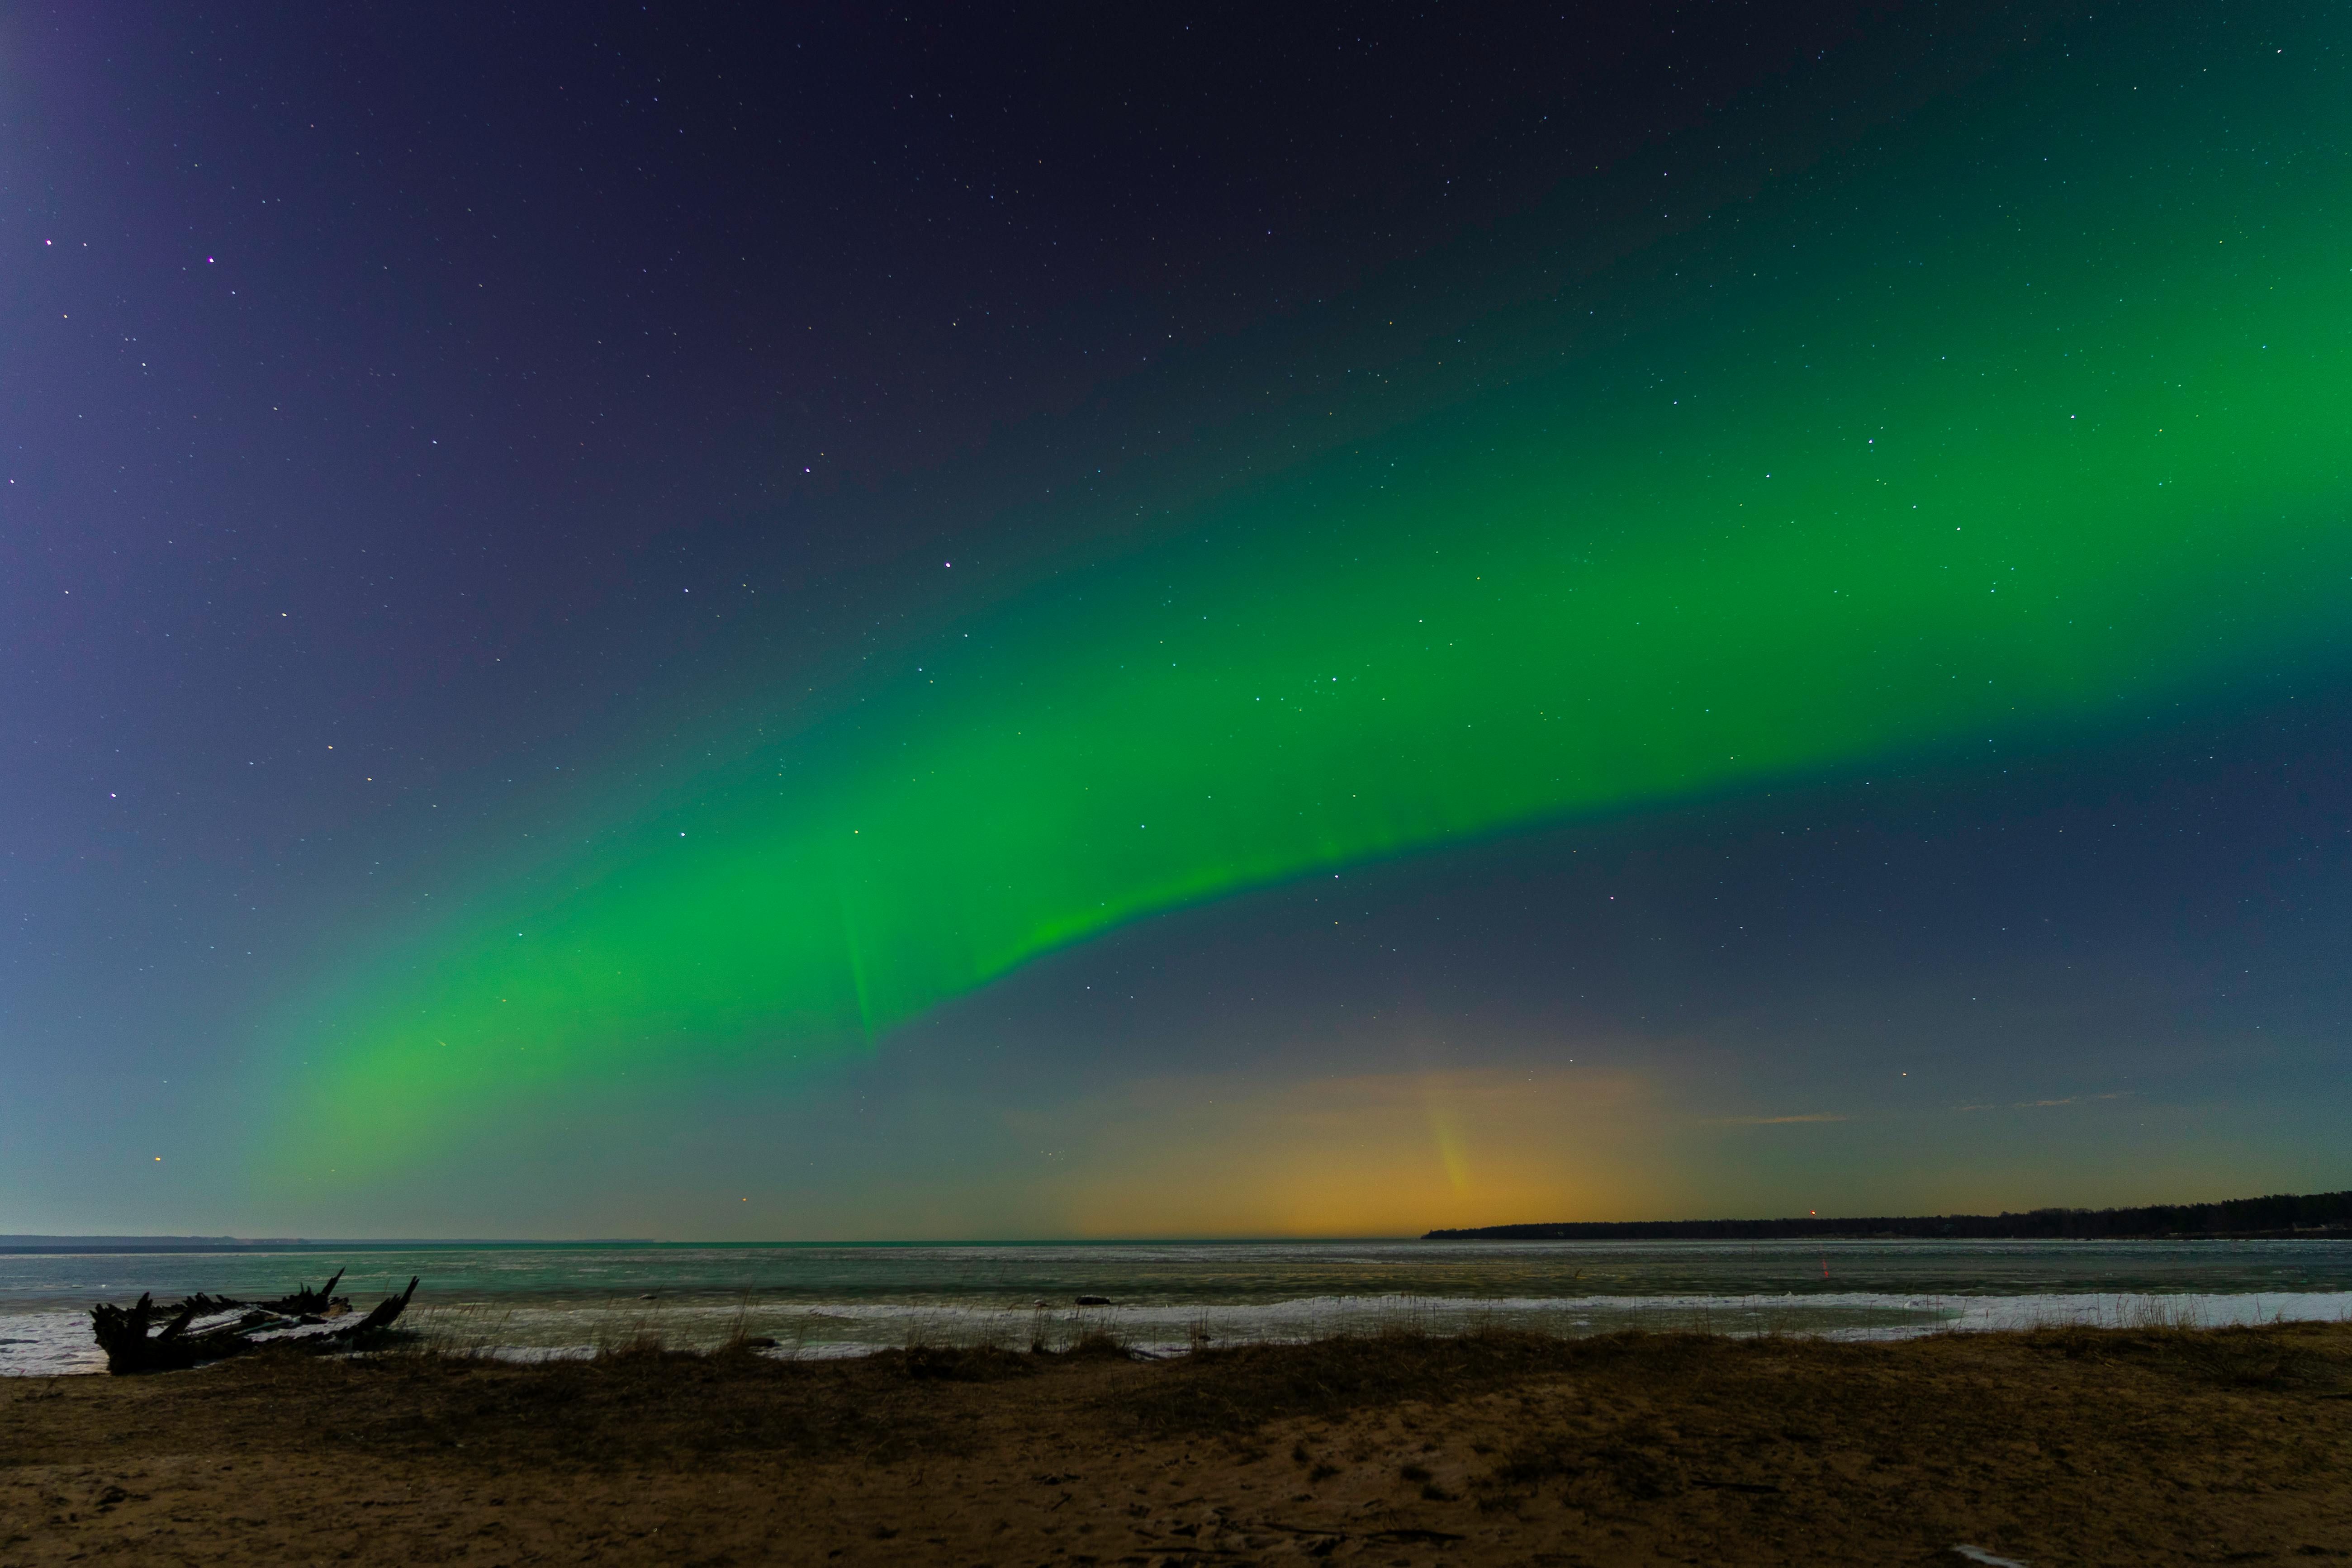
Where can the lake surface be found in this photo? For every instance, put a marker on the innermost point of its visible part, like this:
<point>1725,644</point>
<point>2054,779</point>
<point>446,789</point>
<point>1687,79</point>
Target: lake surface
<point>834,1299</point>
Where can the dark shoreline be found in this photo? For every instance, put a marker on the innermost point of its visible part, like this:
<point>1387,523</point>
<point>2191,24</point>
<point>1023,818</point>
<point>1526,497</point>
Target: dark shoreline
<point>1492,1449</point>
<point>2317,1216</point>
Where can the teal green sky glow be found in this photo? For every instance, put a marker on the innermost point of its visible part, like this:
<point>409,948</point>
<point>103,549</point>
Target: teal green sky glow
<point>2009,465</point>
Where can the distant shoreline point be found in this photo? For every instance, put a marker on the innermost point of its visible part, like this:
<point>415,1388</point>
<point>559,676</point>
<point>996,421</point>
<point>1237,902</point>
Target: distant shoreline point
<point>2316,1216</point>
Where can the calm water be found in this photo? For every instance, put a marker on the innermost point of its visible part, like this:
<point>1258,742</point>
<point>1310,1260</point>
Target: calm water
<point>837,1300</point>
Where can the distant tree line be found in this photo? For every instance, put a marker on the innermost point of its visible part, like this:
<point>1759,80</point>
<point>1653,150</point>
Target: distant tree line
<point>2280,1215</point>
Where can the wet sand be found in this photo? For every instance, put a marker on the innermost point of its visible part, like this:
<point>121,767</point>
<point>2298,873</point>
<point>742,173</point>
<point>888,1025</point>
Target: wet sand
<point>2061,1447</point>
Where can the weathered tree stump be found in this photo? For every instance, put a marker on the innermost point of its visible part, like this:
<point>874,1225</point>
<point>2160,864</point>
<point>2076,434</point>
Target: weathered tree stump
<point>212,1328</point>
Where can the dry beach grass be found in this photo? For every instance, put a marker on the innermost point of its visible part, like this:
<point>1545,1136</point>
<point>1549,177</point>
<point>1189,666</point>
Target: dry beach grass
<point>2061,1446</point>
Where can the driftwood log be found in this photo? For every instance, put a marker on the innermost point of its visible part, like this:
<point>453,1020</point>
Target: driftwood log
<point>211,1328</point>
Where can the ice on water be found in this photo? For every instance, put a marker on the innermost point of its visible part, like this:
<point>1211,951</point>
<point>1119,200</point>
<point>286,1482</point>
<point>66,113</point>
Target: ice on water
<point>829,1301</point>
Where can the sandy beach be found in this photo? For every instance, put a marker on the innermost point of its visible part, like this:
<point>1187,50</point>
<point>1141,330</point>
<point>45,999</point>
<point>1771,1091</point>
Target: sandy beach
<point>2061,1447</point>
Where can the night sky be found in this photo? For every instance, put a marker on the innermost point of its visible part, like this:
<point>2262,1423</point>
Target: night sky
<point>732,623</point>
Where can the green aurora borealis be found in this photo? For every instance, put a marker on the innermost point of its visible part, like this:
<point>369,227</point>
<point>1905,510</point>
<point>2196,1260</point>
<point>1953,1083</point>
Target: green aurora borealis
<point>2036,420</point>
